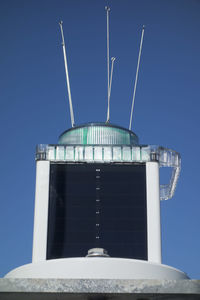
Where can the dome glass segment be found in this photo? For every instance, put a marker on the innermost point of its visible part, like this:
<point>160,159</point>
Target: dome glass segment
<point>98,134</point>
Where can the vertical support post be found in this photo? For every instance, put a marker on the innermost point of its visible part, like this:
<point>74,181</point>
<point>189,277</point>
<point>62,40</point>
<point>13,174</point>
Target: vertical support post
<point>41,211</point>
<point>153,212</point>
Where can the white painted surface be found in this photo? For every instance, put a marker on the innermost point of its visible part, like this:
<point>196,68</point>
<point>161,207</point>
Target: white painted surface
<point>97,268</point>
<point>153,212</point>
<point>41,211</point>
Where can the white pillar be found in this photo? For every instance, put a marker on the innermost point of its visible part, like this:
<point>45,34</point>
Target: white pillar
<point>41,211</point>
<point>153,212</point>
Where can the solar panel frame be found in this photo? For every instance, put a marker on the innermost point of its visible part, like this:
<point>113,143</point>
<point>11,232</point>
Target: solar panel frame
<point>97,205</point>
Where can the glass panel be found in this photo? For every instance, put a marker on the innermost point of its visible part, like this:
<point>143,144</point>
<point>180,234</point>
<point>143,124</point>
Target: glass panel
<point>126,152</point>
<point>60,153</point>
<point>136,154</point>
<point>98,153</point>
<point>107,153</point>
<point>51,153</point>
<point>88,153</point>
<point>97,205</point>
<point>69,153</point>
<point>79,153</point>
<point>145,154</point>
<point>117,153</point>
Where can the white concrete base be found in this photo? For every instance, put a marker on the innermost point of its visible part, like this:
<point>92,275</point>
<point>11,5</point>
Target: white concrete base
<point>97,268</point>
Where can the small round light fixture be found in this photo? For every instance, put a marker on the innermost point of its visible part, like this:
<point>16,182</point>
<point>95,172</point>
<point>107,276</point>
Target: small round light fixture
<point>97,252</point>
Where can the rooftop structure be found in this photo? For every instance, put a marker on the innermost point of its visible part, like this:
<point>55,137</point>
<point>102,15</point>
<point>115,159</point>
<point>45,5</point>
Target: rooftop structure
<point>97,207</point>
<point>97,229</point>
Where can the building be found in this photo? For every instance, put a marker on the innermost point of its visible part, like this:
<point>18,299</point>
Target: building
<point>97,221</point>
<point>98,199</point>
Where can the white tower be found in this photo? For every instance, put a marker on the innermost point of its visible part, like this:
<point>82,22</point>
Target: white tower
<point>97,207</point>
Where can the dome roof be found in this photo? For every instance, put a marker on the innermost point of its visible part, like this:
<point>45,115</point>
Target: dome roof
<point>98,134</point>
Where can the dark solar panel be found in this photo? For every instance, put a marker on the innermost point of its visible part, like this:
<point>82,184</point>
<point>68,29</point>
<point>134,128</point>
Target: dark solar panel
<point>97,205</point>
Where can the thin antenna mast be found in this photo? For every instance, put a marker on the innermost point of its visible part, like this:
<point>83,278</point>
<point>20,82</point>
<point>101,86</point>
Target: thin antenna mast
<point>108,58</point>
<point>67,76</point>
<point>110,85</point>
<point>136,77</point>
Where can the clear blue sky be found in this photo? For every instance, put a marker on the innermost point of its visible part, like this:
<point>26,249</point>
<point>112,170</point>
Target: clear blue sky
<point>34,103</point>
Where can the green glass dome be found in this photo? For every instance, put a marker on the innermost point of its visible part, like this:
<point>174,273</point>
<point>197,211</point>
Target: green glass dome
<point>98,134</point>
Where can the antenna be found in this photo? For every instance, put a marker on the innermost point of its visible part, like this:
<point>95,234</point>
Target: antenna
<point>136,77</point>
<point>110,85</point>
<point>67,76</point>
<point>108,58</point>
